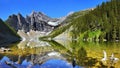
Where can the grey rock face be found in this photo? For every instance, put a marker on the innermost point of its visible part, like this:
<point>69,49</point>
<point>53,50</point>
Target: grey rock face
<point>22,24</point>
<point>36,21</point>
<point>12,21</point>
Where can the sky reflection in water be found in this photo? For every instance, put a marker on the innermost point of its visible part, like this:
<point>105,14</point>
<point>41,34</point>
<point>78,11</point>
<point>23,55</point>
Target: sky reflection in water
<point>53,63</point>
<point>86,54</point>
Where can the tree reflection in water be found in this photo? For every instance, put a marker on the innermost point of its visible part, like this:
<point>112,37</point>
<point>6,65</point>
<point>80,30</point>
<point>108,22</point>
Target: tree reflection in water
<point>74,53</point>
<point>77,53</point>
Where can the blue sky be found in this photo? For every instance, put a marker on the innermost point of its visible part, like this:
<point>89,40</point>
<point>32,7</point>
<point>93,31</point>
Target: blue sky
<point>52,8</point>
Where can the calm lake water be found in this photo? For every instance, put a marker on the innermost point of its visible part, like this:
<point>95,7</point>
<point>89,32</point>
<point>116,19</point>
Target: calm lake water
<point>61,54</point>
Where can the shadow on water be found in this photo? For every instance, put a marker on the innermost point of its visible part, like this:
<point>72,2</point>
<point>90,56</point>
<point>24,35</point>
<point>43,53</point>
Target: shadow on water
<point>88,54</point>
<point>75,54</point>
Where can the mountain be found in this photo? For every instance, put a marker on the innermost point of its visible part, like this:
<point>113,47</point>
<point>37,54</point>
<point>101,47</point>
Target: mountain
<point>65,26</point>
<point>7,34</point>
<point>99,24</point>
<point>35,21</point>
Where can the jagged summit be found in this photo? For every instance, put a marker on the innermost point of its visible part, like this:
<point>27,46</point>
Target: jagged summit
<point>35,21</point>
<point>40,16</point>
<point>34,13</point>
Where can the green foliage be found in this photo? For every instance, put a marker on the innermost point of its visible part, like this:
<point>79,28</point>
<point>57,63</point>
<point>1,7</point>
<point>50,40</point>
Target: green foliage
<point>101,23</point>
<point>67,24</point>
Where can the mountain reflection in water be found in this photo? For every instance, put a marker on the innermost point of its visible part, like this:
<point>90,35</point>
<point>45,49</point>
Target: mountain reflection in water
<point>5,62</point>
<point>59,55</point>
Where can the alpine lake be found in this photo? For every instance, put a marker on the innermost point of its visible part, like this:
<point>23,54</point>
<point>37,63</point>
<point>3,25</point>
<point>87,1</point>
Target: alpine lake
<point>60,54</point>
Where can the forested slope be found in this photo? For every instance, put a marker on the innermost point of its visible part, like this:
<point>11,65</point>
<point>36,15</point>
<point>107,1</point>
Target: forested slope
<point>7,34</point>
<point>101,23</point>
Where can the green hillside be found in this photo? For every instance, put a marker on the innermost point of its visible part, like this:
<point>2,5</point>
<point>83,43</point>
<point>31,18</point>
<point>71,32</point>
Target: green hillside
<point>66,24</point>
<point>99,24</point>
<point>7,34</point>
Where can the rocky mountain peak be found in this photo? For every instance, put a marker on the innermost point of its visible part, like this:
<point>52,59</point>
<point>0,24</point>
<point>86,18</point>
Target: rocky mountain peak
<point>35,21</point>
<point>21,19</point>
<point>40,16</point>
<point>19,14</point>
<point>12,16</point>
<point>37,13</point>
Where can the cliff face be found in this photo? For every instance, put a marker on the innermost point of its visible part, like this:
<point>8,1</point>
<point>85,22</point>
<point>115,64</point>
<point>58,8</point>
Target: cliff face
<point>35,21</point>
<point>7,35</point>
